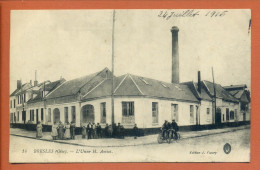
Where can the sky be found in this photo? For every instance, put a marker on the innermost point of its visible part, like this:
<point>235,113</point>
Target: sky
<point>75,43</point>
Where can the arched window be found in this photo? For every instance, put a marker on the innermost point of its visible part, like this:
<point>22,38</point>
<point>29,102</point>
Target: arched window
<point>87,114</point>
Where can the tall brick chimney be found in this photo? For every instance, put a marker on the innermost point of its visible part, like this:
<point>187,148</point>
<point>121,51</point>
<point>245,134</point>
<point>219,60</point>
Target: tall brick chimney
<point>19,84</point>
<point>199,82</point>
<point>175,55</point>
<point>35,81</point>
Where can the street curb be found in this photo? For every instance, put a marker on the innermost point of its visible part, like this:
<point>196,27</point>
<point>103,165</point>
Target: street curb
<point>152,143</point>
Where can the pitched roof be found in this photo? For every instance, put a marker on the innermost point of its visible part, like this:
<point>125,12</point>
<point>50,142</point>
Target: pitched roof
<point>82,85</point>
<point>14,93</point>
<point>24,87</point>
<point>194,88</point>
<point>241,95</point>
<point>132,85</point>
<point>220,91</point>
<point>48,87</point>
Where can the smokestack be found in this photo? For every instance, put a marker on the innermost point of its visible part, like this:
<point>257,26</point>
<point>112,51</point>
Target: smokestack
<point>199,82</point>
<point>35,81</point>
<point>19,84</point>
<point>175,55</point>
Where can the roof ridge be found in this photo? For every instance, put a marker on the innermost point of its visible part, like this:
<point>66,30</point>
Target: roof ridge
<point>55,89</point>
<point>95,87</point>
<point>120,83</point>
<point>95,74</point>
<point>136,85</point>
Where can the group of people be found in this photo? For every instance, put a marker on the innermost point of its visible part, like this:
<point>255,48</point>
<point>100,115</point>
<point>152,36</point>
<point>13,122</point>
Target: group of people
<point>93,131</point>
<point>63,131</point>
<point>169,126</point>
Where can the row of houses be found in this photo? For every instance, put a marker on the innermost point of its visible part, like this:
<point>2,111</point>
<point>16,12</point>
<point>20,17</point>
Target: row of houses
<point>137,100</point>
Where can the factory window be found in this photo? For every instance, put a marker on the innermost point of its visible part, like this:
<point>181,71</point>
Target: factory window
<point>66,114</point>
<point>155,112</point>
<point>14,103</point>
<point>41,114</point>
<point>208,114</point>
<point>227,114</point>
<point>232,115</point>
<point>128,112</point>
<point>73,114</point>
<point>18,116</point>
<point>32,115</point>
<point>11,117</point>
<point>103,112</point>
<point>144,81</point>
<point>174,112</point>
<point>191,114</point>
<point>49,115</point>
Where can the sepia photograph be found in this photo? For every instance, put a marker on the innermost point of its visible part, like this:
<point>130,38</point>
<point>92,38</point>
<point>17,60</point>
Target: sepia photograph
<point>146,85</point>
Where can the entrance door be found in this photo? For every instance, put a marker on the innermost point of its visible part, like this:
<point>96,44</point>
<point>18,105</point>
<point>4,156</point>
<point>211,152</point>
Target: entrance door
<point>244,116</point>
<point>218,116</point>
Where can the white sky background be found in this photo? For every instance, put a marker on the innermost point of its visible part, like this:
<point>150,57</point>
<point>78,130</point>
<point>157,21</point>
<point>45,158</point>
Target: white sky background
<point>74,43</point>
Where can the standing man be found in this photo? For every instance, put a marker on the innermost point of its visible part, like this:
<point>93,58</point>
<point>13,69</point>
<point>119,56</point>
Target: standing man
<point>175,128</point>
<point>72,129</point>
<point>135,130</point>
<point>98,130</point>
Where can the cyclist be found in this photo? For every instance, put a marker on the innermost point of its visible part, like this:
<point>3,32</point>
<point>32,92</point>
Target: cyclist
<point>165,128</point>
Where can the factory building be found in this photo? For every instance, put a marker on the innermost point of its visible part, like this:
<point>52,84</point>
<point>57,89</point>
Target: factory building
<point>137,100</point>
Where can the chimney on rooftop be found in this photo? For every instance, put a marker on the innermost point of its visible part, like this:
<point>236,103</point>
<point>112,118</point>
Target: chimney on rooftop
<point>175,55</point>
<point>19,84</point>
<point>35,81</point>
<point>199,82</point>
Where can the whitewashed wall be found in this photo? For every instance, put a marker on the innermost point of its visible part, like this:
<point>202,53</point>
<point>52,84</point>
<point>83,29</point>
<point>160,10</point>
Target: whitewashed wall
<point>205,118</point>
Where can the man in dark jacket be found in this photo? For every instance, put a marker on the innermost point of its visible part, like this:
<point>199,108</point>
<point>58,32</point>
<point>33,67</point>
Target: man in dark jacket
<point>98,127</point>
<point>72,130</point>
<point>89,131</point>
<point>106,131</point>
<point>175,128</point>
<point>135,130</point>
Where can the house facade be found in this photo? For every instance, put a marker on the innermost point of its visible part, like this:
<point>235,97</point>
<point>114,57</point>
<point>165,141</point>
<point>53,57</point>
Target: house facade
<point>242,94</point>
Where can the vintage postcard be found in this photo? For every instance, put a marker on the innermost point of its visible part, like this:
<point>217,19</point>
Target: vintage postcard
<point>164,85</point>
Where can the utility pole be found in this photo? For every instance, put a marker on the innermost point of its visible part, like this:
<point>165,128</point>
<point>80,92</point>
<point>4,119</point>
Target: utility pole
<point>112,88</point>
<point>215,97</point>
